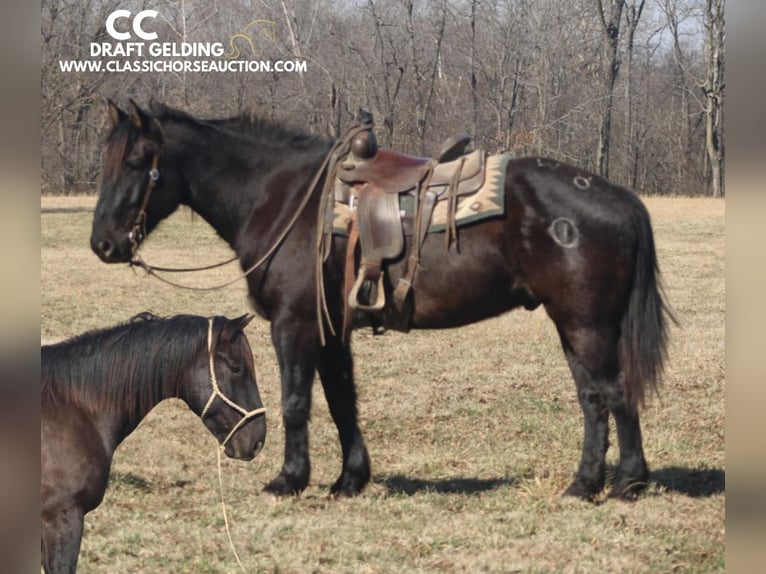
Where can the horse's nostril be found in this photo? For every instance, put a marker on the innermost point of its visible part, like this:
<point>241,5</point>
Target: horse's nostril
<point>105,247</point>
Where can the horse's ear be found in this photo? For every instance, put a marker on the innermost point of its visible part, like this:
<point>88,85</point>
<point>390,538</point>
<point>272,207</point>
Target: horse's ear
<point>139,117</point>
<point>154,130</point>
<point>148,125</point>
<point>115,113</point>
<point>155,107</point>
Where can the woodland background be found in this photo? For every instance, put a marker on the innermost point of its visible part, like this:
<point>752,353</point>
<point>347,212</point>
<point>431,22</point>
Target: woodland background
<point>630,89</point>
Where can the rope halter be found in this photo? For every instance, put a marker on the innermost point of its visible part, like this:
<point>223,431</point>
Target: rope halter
<point>216,392</point>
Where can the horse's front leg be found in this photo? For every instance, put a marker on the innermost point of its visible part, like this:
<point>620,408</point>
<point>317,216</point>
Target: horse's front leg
<point>336,371</point>
<point>297,350</point>
<point>61,537</point>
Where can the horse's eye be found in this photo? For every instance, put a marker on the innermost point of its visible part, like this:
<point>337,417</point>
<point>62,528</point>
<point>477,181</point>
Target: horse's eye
<point>236,369</point>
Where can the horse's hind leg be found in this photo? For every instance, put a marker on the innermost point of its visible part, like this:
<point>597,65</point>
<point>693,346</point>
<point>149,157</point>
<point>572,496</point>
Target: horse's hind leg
<point>593,357</point>
<point>632,472</point>
<point>590,477</point>
<point>594,361</point>
<point>336,371</point>
<point>61,537</point>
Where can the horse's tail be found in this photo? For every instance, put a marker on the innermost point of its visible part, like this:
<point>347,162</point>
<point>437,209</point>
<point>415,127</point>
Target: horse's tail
<point>644,338</point>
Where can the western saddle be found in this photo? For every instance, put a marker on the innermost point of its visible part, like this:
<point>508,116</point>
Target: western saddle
<point>372,181</point>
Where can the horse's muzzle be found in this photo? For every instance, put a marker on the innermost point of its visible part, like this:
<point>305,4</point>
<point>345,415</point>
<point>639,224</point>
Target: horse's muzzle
<point>110,251</point>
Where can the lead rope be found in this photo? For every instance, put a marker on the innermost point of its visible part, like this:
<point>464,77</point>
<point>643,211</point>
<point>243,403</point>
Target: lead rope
<point>223,509</point>
<point>246,416</point>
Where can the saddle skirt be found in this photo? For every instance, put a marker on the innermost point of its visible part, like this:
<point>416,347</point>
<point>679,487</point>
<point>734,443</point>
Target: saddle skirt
<point>486,201</point>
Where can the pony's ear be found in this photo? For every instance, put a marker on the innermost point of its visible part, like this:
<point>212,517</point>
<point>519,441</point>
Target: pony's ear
<point>235,327</point>
<point>115,113</point>
<point>243,321</point>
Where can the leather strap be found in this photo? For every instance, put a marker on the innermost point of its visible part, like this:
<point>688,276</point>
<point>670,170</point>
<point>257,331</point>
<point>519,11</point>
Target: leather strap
<point>426,204</point>
<point>348,277</point>
<point>451,229</point>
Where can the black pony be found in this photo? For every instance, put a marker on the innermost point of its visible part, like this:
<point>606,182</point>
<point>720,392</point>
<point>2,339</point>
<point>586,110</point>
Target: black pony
<point>97,387</point>
<point>569,240</point>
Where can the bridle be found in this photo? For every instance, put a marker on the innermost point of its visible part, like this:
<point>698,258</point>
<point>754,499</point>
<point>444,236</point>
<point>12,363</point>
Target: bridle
<point>217,393</point>
<point>138,233</point>
<point>138,230</point>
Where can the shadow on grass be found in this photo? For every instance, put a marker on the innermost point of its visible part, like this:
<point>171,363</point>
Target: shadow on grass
<point>400,484</point>
<point>696,483</point>
<point>130,480</point>
<point>691,481</point>
<point>66,210</point>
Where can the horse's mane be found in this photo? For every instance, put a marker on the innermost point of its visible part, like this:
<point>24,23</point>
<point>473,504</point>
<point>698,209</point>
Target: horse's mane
<point>248,123</point>
<point>131,366</point>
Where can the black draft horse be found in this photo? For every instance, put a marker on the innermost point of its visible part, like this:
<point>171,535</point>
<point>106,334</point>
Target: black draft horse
<point>569,240</point>
<point>97,387</point>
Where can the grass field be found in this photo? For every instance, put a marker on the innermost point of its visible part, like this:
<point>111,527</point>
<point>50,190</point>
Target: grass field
<point>473,433</point>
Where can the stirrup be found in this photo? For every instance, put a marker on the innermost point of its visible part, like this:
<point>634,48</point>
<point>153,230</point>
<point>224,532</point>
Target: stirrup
<point>353,296</point>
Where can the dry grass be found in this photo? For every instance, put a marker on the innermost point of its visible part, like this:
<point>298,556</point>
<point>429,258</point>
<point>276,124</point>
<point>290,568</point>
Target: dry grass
<point>473,434</point>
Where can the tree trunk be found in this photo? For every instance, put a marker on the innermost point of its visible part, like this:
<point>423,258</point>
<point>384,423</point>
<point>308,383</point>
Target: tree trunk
<point>632,17</point>
<point>611,66</point>
<point>474,93</point>
<point>713,89</point>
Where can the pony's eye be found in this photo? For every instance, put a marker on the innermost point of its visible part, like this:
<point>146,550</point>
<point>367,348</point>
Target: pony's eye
<point>236,369</point>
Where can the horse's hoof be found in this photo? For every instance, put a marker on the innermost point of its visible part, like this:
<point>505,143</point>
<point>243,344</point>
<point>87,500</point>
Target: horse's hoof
<point>578,489</point>
<point>282,486</point>
<point>346,486</point>
<point>627,490</point>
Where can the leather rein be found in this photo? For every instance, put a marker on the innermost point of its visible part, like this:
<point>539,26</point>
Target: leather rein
<point>138,234</point>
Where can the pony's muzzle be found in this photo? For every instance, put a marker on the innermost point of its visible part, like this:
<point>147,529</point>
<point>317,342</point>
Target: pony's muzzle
<point>232,451</point>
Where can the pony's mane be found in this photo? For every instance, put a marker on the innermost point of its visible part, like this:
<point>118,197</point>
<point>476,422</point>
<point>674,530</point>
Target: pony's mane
<point>247,123</point>
<point>131,366</point>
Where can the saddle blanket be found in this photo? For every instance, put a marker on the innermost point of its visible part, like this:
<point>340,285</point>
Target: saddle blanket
<point>488,201</point>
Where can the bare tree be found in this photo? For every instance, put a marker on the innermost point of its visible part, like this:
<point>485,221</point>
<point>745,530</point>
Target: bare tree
<point>69,130</point>
<point>472,69</point>
<point>390,66</point>
<point>610,13</point>
<point>424,64</point>
<point>713,88</point>
<point>632,17</point>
